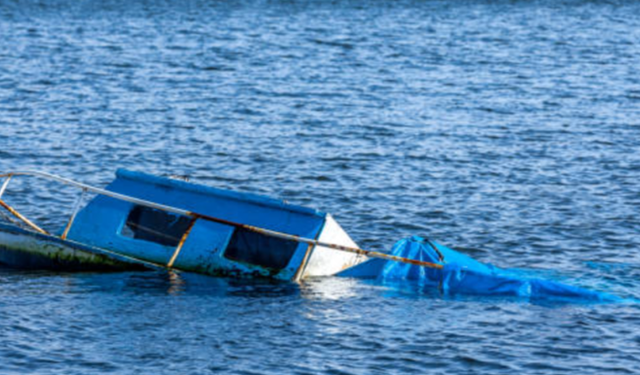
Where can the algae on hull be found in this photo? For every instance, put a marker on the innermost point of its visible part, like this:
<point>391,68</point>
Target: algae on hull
<point>24,249</point>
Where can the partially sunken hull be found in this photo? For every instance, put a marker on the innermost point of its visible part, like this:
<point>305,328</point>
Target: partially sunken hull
<point>25,249</point>
<point>145,220</point>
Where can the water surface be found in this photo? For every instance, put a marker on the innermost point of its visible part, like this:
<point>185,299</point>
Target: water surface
<point>507,129</point>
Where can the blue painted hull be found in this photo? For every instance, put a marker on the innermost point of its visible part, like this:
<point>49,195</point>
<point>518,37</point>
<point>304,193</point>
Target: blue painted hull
<point>150,220</point>
<point>214,249</point>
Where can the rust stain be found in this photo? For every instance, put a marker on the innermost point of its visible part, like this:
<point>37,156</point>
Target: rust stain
<point>24,219</point>
<point>181,243</point>
<point>303,265</point>
<point>195,216</point>
<point>290,237</point>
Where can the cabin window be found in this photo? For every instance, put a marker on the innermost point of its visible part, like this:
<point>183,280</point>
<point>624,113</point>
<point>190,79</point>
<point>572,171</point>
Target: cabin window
<point>149,224</point>
<point>260,250</point>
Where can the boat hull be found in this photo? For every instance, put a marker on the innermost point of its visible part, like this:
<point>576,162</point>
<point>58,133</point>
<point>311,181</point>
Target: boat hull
<point>23,249</point>
<point>165,223</point>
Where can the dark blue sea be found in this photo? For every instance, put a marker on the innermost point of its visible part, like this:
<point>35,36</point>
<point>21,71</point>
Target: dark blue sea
<point>509,130</point>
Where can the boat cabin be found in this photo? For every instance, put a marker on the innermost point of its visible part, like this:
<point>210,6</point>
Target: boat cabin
<point>193,243</point>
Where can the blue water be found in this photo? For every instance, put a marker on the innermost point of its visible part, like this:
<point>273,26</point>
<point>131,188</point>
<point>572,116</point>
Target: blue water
<point>509,130</point>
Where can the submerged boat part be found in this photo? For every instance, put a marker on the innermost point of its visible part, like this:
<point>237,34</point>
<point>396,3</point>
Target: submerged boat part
<point>189,227</point>
<point>20,248</point>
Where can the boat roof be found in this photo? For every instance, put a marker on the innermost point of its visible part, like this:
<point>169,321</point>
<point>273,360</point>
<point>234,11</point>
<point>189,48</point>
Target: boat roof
<point>183,191</point>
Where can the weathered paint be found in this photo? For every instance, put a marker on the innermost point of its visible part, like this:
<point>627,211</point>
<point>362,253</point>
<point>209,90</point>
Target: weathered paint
<point>181,243</point>
<point>21,217</point>
<point>24,249</point>
<point>102,220</point>
<point>101,223</point>
<point>303,265</point>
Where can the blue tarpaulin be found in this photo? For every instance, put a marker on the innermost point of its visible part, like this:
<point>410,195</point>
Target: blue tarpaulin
<point>464,275</point>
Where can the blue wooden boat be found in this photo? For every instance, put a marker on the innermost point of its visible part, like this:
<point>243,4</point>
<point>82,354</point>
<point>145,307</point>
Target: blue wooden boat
<point>142,220</point>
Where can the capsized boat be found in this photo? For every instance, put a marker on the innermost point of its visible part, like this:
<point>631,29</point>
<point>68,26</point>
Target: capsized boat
<point>144,220</point>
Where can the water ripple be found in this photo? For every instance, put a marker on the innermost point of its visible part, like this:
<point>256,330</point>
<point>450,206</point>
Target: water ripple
<point>508,130</point>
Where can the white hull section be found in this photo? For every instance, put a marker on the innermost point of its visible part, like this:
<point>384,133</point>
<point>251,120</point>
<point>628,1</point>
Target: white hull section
<point>326,261</point>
